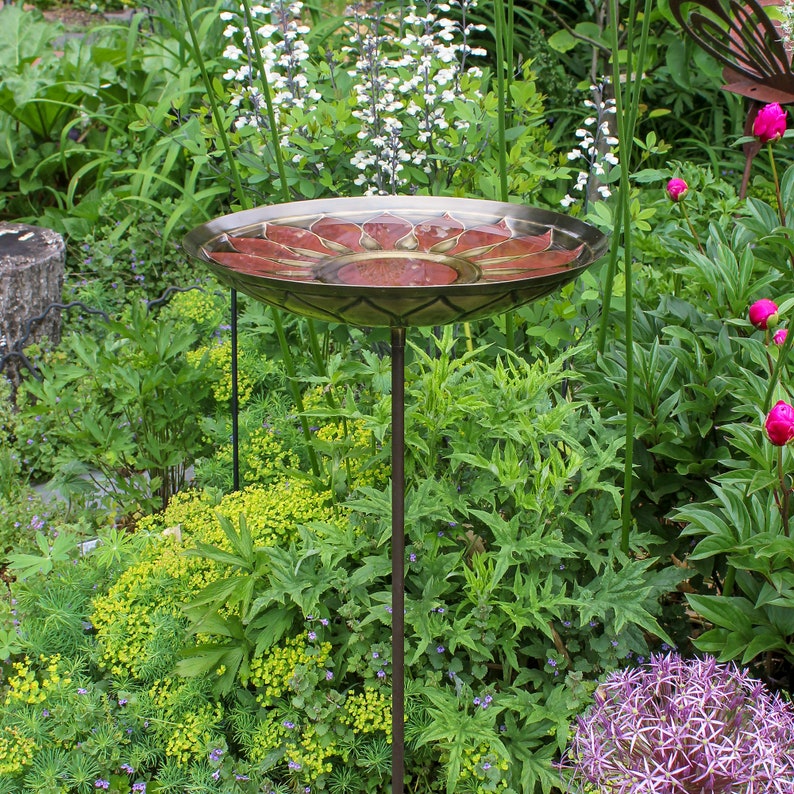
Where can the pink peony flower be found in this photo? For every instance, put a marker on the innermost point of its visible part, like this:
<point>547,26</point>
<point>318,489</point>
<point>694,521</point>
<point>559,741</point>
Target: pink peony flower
<point>763,313</point>
<point>770,123</point>
<point>779,423</point>
<point>780,336</point>
<point>677,189</point>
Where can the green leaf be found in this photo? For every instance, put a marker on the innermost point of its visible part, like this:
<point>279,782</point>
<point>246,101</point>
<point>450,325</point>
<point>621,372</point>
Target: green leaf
<point>724,612</point>
<point>562,41</point>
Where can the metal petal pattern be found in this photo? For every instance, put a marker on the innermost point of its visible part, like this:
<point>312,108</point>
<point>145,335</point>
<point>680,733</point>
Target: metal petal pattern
<point>396,261</point>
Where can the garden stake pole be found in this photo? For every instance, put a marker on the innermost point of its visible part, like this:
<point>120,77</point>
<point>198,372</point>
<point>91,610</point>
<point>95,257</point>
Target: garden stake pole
<point>397,559</point>
<point>235,400</point>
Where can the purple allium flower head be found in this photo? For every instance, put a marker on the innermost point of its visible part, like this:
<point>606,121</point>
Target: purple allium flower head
<point>691,726</point>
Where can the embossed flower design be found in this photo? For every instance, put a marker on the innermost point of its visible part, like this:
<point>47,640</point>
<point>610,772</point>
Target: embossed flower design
<point>390,251</point>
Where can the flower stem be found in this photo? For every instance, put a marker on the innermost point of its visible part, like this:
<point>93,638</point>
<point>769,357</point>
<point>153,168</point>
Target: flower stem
<point>776,180</point>
<point>271,116</point>
<point>242,198</point>
<point>785,492</point>
<point>691,227</point>
<point>782,355</point>
<point>504,42</point>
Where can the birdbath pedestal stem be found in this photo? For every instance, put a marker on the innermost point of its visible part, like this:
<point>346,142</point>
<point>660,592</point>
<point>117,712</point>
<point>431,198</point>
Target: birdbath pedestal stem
<point>398,556</point>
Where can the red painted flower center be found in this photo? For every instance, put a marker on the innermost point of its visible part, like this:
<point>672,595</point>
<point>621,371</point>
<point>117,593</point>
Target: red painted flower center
<point>389,272</point>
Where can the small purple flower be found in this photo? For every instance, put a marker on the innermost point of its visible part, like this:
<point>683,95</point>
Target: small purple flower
<point>375,655</point>
<point>476,701</point>
<point>139,787</point>
<point>216,775</point>
<point>294,765</point>
<point>216,754</point>
<point>381,674</point>
<point>241,777</point>
<point>104,784</point>
<point>551,662</point>
<point>45,713</point>
<point>328,675</point>
<point>128,769</point>
<point>122,701</point>
<point>323,621</point>
<point>566,623</point>
<point>411,557</point>
<point>440,649</point>
<point>312,636</point>
<point>288,725</point>
<point>82,691</point>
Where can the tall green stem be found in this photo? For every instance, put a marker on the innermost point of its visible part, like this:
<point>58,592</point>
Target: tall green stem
<point>627,100</point>
<point>242,198</point>
<point>503,36</point>
<point>271,114</point>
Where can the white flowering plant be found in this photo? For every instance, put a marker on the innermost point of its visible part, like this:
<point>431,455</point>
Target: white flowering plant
<point>393,102</point>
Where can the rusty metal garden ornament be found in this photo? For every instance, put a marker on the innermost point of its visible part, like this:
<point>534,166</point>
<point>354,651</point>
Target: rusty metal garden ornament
<point>748,42</point>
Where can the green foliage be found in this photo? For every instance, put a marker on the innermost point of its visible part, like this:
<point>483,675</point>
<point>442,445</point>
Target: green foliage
<point>101,421</point>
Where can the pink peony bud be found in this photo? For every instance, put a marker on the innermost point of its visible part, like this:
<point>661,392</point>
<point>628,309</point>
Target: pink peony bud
<point>763,313</point>
<point>677,189</point>
<point>770,123</point>
<point>779,424</point>
<point>780,336</point>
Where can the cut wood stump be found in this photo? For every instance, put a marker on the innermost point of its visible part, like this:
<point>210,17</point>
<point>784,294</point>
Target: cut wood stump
<point>31,278</point>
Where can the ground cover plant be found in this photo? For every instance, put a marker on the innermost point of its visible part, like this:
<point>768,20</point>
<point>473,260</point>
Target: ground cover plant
<point>594,481</point>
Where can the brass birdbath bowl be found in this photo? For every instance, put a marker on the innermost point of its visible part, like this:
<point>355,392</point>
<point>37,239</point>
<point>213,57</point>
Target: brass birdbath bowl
<point>396,261</point>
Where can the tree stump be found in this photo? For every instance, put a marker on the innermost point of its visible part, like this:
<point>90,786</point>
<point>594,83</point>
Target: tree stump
<point>31,278</point>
